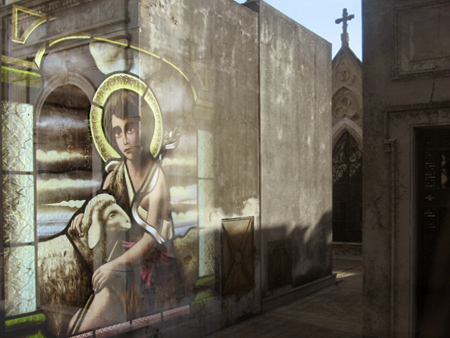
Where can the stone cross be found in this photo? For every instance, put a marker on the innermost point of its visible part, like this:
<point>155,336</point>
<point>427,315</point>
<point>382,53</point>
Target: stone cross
<point>344,19</point>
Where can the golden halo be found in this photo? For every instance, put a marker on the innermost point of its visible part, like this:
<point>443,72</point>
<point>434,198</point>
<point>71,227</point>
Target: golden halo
<point>111,84</point>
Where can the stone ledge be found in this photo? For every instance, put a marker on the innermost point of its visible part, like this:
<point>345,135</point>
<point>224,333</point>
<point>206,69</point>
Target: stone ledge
<point>346,249</point>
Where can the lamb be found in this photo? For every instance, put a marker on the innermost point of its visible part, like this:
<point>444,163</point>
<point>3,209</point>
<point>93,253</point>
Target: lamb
<point>66,262</point>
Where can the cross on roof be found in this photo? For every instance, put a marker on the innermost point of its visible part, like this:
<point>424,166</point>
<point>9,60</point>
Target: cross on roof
<point>344,19</point>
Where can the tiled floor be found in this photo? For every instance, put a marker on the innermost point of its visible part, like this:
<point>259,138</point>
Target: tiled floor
<point>334,312</point>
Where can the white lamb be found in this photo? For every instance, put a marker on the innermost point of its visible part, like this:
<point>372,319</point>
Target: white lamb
<point>66,261</point>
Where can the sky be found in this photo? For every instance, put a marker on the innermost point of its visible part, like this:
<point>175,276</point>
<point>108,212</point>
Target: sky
<point>319,16</point>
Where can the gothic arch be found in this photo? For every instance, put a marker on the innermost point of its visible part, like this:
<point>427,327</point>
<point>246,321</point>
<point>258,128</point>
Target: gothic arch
<point>348,125</point>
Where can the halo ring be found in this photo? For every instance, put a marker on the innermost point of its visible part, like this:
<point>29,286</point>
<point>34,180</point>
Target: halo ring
<point>114,83</point>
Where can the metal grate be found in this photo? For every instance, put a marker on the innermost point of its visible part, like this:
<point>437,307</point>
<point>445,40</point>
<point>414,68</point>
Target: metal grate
<point>347,190</point>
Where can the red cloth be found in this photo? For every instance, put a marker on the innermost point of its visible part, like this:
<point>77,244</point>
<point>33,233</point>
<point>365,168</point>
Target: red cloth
<point>148,267</point>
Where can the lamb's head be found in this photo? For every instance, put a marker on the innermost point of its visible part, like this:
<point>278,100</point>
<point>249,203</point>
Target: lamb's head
<point>103,213</point>
<point>115,219</point>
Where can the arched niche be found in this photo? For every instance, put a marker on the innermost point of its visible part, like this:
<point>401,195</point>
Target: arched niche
<point>68,168</point>
<point>347,125</point>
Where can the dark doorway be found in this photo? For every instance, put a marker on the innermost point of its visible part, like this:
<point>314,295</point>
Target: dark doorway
<point>347,190</point>
<point>433,198</point>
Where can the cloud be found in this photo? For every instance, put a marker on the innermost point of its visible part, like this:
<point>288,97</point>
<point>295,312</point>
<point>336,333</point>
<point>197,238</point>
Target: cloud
<point>186,195</point>
<point>66,120</point>
<point>180,162</point>
<point>57,190</point>
<point>52,156</point>
<point>184,219</point>
<point>51,220</point>
<point>191,202</point>
<point>56,184</point>
<point>71,204</point>
<point>54,215</point>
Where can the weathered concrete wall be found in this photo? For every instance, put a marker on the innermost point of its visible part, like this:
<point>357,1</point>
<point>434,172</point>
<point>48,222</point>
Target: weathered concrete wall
<point>221,37</point>
<point>250,94</point>
<point>219,40</point>
<point>295,122</point>
<point>405,87</point>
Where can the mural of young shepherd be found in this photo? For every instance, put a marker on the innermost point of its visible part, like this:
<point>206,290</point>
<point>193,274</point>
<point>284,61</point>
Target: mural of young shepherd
<point>137,272</point>
<point>101,184</point>
<point>142,142</point>
<point>121,240</point>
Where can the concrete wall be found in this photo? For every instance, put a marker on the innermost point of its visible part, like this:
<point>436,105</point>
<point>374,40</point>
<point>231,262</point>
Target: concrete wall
<point>405,88</point>
<point>295,108</point>
<point>250,181</point>
<point>219,40</point>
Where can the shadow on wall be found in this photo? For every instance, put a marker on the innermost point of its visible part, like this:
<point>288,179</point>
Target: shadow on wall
<point>293,258</point>
<point>298,257</point>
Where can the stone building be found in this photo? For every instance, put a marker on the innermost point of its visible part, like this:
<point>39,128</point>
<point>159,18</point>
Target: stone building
<point>406,48</point>
<point>230,103</point>
<point>347,148</point>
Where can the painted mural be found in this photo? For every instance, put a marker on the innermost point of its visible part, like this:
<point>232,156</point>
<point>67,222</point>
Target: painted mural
<point>110,181</point>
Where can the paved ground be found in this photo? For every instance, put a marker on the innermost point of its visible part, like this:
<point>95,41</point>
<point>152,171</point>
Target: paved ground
<point>334,312</point>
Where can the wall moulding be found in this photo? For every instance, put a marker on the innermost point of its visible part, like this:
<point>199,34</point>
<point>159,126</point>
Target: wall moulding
<point>57,18</point>
<point>422,40</point>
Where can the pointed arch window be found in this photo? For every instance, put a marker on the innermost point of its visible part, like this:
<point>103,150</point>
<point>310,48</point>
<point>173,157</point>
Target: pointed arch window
<point>347,190</point>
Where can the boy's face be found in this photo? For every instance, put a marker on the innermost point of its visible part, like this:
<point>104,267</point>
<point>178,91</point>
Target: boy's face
<point>126,133</point>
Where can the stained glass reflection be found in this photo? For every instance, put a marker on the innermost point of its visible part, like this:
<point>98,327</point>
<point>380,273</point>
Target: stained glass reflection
<point>17,137</point>
<point>18,213</point>
<point>20,280</point>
